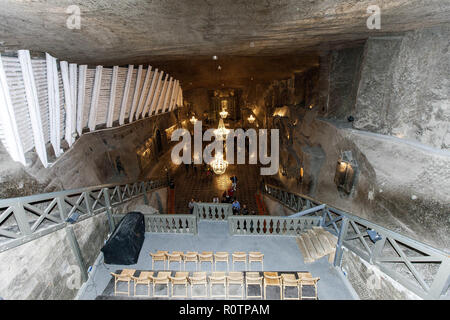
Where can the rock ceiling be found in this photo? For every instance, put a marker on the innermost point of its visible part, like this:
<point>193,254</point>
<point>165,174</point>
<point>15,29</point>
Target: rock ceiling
<point>185,34</point>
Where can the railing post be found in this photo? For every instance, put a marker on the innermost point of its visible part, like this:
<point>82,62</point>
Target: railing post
<point>441,280</point>
<point>341,237</point>
<point>87,195</point>
<point>21,218</point>
<point>324,216</point>
<point>77,252</point>
<point>376,252</point>
<point>62,208</point>
<point>108,209</point>
<point>194,224</point>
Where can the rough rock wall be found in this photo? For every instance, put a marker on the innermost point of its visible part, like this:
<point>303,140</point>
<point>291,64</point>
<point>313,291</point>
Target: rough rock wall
<point>344,70</point>
<point>370,283</point>
<point>90,161</point>
<point>46,268</point>
<point>405,87</point>
<point>402,183</point>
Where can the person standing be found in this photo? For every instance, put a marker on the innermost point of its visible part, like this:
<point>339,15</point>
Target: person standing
<point>244,210</point>
<point>236,207</point>
<point>191,206</point>
<point>234,180</point>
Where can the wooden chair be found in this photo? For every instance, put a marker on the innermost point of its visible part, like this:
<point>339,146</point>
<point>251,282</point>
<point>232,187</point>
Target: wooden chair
<point>143,279</point>
<point>221,257</point>
<point>199,278</point>
<point>235,278</point>
<point>124,276</point>
<point>206,256</point>
<point>253,278</point>
<point>218,278</point>
<point>163,279</point>
<point>306,279</point>
<point>175,256</point>
<point>255,257</point>
<point>274,280</point>
<point>289,280</point>
<point>239,257</point>
<point>180,279</point>
<point>191,257</point>
<point>159,256</point>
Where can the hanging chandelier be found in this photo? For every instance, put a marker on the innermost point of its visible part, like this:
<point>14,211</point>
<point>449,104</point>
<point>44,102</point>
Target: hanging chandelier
<point>251,119</point>
<point>221,132</point>
<point>193,120</point>
<point>223,114</point>
<point>219,165</point>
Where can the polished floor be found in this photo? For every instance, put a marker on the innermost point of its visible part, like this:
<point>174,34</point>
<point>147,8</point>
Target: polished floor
<point>194,183</point>
<point>280,254</point>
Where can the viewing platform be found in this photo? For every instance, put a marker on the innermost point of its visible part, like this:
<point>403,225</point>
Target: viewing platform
<point>281,253</point>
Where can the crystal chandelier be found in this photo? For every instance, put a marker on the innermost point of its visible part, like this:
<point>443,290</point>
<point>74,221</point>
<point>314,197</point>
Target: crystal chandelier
<point>251,119</point>
<point>223,113</point>
<point>219,165</point>
<point>221,132</point>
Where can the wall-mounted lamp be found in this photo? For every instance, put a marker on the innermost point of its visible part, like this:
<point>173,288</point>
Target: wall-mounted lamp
<point>346,172</point>
<point>251,119</point>
<point>373,235</point>
<point>193,120</point>
<point>73,217</point>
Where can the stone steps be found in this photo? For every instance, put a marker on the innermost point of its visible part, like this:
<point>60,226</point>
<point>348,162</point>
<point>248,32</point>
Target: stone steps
<point>317,243</point>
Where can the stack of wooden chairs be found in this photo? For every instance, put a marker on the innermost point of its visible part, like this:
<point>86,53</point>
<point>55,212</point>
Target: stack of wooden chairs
<point>206,257</point>
<point>182,278</point>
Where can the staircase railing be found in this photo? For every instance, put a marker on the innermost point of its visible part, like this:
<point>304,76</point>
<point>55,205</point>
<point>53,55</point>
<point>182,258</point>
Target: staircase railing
<point>271,225</point>
<point>24,219</point>
<point>404,259</point>
<point>212,211</point>
<point>167,223</point>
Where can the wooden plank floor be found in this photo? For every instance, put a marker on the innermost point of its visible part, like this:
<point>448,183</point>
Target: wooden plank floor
<point>190,184</point>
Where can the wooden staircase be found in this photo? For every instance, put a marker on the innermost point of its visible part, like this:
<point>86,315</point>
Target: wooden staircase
<point>317,243</point>
<point>262,211</point>
<point>171,201</point>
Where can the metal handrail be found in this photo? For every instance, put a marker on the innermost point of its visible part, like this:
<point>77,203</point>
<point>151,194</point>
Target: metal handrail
<point>271,225</point>
<point>41,214</point>
<point>349,227</point>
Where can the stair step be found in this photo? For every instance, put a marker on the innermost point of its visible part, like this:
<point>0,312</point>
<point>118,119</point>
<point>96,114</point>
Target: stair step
<point>310,247</point>
<point>316,243</point>
<point>301,245</point>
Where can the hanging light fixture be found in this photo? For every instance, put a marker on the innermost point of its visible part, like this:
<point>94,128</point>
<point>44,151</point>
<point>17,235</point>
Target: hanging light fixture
<point>221,132</point>
<point>223,113</point>
<point>219,165</point>
<point>193,120</point>
<point>251,119</point>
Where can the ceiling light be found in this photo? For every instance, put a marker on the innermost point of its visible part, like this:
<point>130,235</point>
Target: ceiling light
<point>223,113</point>
<point>219,165</point>
<point>214,57</point>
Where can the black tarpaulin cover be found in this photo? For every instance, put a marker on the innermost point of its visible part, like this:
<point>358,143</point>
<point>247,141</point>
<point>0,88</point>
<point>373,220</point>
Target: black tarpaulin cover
<point>125,243</point>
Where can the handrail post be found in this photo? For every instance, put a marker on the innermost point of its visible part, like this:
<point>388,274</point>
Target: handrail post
<point>342,235</point>
<point>62,208</point>
<point>441,280</point>
<point>77,252</point>
<point>376,252</point>
<point>21,218</point>
<point>108,209</point>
